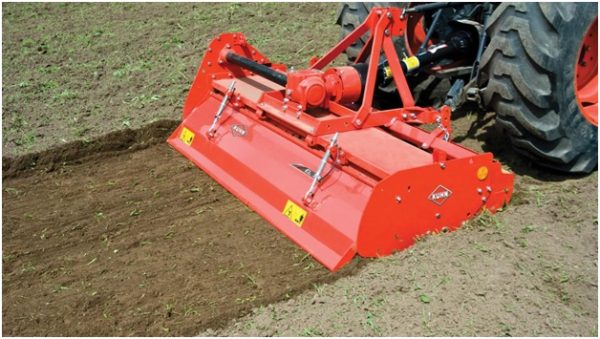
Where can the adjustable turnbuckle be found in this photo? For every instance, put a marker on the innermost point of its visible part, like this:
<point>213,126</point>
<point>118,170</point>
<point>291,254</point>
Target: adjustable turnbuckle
<point>317,177</point>
<point>440,125</point>
<point>213,127</point>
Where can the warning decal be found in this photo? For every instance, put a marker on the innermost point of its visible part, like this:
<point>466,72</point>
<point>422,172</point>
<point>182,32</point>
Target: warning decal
<point>295,213</point>
<point>187,136</point>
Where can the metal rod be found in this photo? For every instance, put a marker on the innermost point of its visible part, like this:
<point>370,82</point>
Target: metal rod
<point>317,177</point>
<point>260,69</point>
<point>431,7</point>
<point>487,12</point>
<point>213,127</point>
<point>453,95</point>
<point>436,18</point>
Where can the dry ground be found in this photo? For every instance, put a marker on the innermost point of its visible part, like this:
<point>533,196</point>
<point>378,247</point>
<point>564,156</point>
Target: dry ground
<point>122,236</point>
<point>72,71</point>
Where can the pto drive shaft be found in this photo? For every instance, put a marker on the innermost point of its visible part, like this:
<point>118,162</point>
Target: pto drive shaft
<point>262,70</point>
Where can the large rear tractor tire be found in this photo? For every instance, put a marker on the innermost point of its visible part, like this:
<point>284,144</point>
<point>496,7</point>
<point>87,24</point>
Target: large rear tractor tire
<point>540,58</point>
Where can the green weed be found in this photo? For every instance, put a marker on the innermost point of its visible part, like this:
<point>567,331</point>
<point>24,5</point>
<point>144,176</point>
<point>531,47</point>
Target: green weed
<point>528,229</point>
<point>141,101</point>
<point>66,94</point>
<point>319,288</point>
<point>424,298</point>
<point>370,322</point>
<point>311,332</point>
<point>12,190</point>
<point>26,139</point>
<point>129,69</point>
<point>251,279</point>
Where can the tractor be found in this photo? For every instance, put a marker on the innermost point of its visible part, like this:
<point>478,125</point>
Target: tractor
<point>534,64</point>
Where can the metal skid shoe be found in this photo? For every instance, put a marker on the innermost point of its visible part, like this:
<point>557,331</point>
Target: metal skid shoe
<point>308,151</point>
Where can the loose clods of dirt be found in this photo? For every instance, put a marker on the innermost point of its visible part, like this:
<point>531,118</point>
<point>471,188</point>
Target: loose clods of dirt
<point>136,242</point>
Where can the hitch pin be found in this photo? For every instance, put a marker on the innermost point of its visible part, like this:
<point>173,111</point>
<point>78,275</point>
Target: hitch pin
<point>317,178</point>
<point>213,127</point>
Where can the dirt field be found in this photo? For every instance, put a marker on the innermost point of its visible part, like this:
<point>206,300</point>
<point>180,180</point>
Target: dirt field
<point>119,235</point>
<point>73,72</point>
<point>530,270</point>
<point>122,244</point>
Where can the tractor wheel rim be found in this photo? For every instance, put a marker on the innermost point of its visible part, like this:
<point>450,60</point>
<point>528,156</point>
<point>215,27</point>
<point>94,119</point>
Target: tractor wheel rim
<point>586,75</point>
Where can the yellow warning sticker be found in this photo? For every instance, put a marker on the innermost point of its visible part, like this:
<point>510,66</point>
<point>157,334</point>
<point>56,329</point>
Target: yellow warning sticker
<point>411,63</point>
<point>187,136</point>
<point>295,213</point>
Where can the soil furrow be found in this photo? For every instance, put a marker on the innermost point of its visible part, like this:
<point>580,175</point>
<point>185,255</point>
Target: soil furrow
<point>138,243</point>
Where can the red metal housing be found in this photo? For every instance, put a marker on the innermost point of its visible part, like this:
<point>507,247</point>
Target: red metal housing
<point>384,181</point>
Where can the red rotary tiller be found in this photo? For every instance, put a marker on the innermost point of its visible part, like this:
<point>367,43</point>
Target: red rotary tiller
<point>307,150</point>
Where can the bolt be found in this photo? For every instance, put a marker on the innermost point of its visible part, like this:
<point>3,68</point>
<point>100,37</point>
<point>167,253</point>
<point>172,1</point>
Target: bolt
<point>213,76</point>
<point>479,190</point>
<point>386,32</point>
<point>299,107</point>
<point>442,165</point>
<point>209,50</point>
<point>424,145</point>
<point>389,15</point>
<point>253,52</point>
<point>404,116</point>
<point>227,46</point>
<point>285,100</point>
<point>437,215</point>
<point>398,199</point>
<point>484,199</point>
<point>358,122</point>
<point>489,188</point>
<point>284,107</point>
<point>209,63</point>
<point>413,116</point>
<point>288,92</point>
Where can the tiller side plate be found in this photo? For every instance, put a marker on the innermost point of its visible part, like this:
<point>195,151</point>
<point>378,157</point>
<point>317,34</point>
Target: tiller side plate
<point>309,153</point>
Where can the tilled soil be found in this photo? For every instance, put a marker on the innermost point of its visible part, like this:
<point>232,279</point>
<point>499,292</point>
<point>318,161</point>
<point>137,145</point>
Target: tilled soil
<point>135,241</point>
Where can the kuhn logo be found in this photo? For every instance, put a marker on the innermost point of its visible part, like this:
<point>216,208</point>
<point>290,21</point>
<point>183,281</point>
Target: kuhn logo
<point>439,195</point>
<point>238,130</point>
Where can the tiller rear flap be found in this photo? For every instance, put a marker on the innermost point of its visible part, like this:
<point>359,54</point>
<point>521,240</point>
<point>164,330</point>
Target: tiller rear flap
<point>309,152</point>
